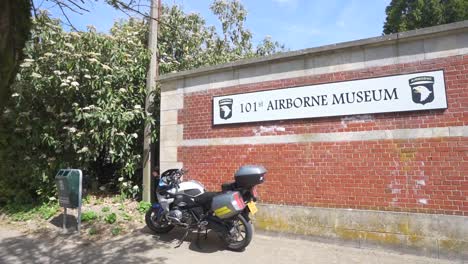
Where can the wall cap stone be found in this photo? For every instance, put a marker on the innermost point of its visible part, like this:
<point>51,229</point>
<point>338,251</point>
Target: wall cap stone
<point>445,29</point>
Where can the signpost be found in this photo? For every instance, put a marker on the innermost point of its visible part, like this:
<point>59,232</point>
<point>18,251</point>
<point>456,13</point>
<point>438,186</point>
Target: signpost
<point>70,187</point>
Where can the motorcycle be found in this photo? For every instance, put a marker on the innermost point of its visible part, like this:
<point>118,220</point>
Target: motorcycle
<point>188,205</point>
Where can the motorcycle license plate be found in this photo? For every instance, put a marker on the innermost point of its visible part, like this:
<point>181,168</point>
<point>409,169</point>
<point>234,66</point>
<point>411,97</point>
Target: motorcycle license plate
<point>252,207</point>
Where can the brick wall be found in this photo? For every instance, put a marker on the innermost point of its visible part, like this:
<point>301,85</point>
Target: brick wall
<point>414,175</point>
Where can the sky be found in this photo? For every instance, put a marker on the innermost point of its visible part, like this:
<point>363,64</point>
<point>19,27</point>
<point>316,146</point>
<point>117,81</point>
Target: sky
<point>298,24</point>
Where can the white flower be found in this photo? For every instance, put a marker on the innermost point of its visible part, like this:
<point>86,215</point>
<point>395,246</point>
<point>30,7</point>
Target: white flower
<point>121,179</point>
<point>107,122</point>
<point>124,184</point>
<point>15,95</point>
<point>72,130</point>
<point>137,107</point>
<point>28,60</point>
<point>57,72</point>
<point>69,45</point>
<point>25,65</point>
<point>85,108</point>
<point>63,84</point>
<point>135,135</point>
<point>87,76</point>
<point>82,150</point>
<point>27,158</point>
<point>69,78</point>
<point>135,188</point>
<point>102,188</point>
<point>48,54</point>
<point>93,60</point>
<point>105,67</point>
<point>107,82</point>
<point>75,104</point>
<point>74,34</point>
<point>52,198</point>
<point>75,84</point>
<point>120,134</point>
<point>122,90</point>
<point>36,75</point>
<point>111,152</point>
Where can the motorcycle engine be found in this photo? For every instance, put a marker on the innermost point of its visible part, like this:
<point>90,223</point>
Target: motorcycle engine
<point>179,217</point>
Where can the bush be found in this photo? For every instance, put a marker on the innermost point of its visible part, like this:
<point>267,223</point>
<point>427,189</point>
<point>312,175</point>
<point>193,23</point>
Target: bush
<point>143,207</point>
<point>88,216</point>
<point>110,218</point>
<point>116,231</point>
<point>92,231</point>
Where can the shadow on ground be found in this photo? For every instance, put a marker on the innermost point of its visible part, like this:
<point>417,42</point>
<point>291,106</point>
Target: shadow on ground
<point>211,244</point>
<point>58,248</point>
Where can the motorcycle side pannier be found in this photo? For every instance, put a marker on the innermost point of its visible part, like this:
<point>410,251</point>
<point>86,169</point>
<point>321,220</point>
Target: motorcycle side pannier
<point>249,176</point>
<point>227,205</point>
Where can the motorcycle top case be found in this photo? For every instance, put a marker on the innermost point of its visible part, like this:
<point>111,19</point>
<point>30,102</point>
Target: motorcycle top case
<point>227,204</point>
<point>249,176</point>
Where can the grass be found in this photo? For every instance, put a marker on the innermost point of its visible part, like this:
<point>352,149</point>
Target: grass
<point>25,212</point>
<point>105,209</point>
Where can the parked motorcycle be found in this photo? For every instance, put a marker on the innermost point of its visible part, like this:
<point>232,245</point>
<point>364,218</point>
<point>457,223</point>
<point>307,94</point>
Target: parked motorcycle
<point>186,204</point>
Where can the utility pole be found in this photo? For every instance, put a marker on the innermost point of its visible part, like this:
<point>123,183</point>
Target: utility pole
<point>152,76</point>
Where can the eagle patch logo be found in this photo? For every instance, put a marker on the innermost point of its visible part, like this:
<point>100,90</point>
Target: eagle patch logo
<point>225,108</point>
<point>422,89</point>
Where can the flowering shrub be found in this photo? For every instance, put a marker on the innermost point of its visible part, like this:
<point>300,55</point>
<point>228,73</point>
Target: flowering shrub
<point>77,102</point>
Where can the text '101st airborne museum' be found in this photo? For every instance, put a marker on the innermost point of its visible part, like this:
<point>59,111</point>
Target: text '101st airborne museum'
<point>364,141</point>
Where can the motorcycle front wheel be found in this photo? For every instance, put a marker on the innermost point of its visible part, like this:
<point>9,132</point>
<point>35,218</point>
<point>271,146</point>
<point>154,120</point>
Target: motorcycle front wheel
<point>239,235</point>
<point>157,223</point>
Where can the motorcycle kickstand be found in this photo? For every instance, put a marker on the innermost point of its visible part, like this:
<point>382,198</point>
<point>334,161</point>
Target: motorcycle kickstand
<point>197,242</point>
<point>181,241</point>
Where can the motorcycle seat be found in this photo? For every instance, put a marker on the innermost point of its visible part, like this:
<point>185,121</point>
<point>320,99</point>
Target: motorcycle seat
<point>205,198</point>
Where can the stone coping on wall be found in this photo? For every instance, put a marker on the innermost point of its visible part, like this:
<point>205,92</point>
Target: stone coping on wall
<point>371,50</point>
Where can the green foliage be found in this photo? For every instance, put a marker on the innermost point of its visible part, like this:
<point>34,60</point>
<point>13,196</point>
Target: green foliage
<point>404,15</point>
<point>78,98</point>
<point>77,103</point>
<point>126,217</point>
<point>88,216</point>
<point>116,231</point>
<point>48,210</point>
<point>92,231</point>
<point>105,209</point>
<point>24,212</point>
<point>143,207</point>
<point>110,218</point>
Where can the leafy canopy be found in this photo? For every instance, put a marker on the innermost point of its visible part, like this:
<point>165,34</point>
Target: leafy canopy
<point>78,99</point>
<point>404,15</point>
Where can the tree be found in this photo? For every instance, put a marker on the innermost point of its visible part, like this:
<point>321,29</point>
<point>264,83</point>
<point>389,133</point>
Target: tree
<point>15,23</point>
<point>78,97</point>
<point>404,15</point>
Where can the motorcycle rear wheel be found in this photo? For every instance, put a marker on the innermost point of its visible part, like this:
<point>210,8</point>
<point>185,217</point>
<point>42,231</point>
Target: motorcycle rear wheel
<point>244,232</point>
<point>156,225</point>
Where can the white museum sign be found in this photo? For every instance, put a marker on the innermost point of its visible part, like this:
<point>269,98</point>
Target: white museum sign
<point>408,92</point>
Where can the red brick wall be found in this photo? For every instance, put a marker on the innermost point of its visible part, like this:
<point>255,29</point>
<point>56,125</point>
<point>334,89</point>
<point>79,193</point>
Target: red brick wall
<point>420,175</point>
